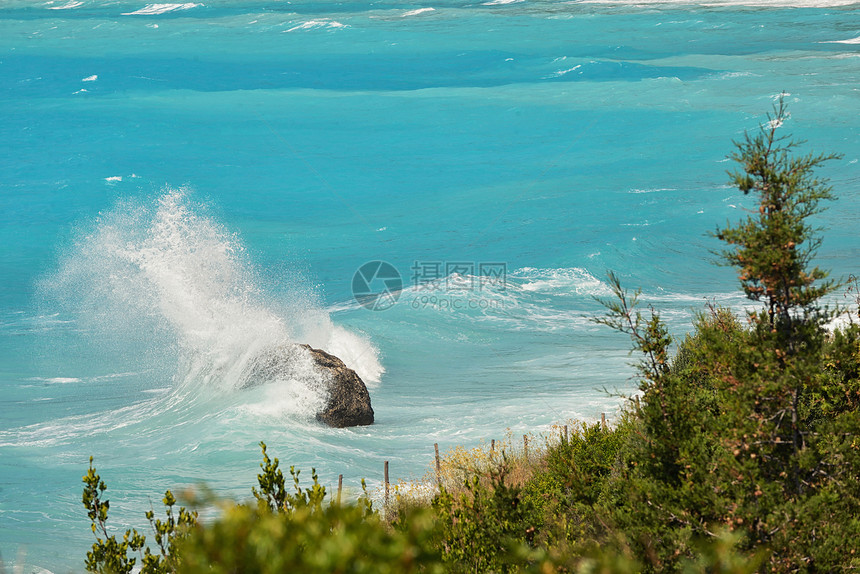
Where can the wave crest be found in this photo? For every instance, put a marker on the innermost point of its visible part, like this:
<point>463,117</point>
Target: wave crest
<point>165,281</point>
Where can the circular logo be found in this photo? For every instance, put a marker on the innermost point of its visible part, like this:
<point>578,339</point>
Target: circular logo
<point>376,285</point>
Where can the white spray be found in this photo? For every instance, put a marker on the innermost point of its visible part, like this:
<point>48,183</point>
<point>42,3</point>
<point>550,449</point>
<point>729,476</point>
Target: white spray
<point>167,281</point>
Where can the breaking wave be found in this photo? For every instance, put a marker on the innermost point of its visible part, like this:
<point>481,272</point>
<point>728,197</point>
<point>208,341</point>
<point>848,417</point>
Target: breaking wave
<point>165,282</point>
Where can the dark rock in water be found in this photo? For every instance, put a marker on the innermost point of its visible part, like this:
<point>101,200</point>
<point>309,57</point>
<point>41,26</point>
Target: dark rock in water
<point>348,402</point>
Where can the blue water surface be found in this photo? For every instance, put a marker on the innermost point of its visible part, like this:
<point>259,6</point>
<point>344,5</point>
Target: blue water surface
<point>184,184</point>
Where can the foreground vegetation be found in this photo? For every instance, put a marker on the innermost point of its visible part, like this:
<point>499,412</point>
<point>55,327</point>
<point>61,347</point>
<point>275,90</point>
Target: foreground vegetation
<point>742,453</point>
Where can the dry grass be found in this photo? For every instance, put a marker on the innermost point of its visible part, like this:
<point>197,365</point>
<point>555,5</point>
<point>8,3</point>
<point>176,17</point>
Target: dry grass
<point>459,464</point>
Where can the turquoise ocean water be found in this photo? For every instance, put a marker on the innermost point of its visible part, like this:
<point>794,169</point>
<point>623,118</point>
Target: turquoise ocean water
<point>183,185</point>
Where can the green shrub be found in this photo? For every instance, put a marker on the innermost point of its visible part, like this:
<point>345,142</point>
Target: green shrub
<point>111,556</point>
<point>297,531</point>
<point>486,528</point>
<point>565,488</point>
<point>275,497</point>
<point>326,539</point>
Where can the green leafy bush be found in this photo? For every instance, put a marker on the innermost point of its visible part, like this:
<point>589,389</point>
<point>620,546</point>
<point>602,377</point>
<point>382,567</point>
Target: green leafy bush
<point>111,556</point>
<point>326,539</point>
<point>297,531</point>
<point>487,527</point>
<point>564,491</point>
<point>273,494</point>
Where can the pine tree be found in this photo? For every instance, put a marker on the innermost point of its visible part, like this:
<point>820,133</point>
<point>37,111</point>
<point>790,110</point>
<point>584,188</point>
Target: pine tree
<point>773,248</point>
<point>753,428</point>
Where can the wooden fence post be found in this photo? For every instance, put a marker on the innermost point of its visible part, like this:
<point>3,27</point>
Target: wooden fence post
<point>565,434</point>
<point>339,487</point>
<point>386,485</point>
<point>492,446</point>
<point>603,420</point>
<point>526,445</point>
<point>438,465</point>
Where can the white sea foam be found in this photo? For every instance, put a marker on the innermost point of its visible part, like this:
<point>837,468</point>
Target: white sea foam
<point>574,280</point>
<point>92,78</point>
<point>168,276</point>
<point>645,223</point>
<point>521,302</point>
<point>111,376</point>
<point>849,41</point>
<point>847,318</point>
<point>776,123</point>
<point>501,2</point>
<point>417,12</point>
<point>315,24</point>
<point>731,75</point>
<point>67,6</point>
<point>57,380</point>
<point>715,3</point>
<point>114,178</point>
<point>155,9</point>
<point>508,301</point>
<point>651,190</point>
<point>355,351</point>
<point>560,73</point>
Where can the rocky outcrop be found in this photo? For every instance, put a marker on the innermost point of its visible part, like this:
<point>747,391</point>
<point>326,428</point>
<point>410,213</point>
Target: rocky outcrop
<point>348,402</point>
